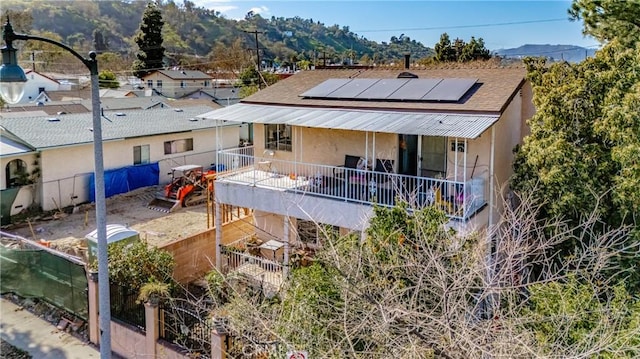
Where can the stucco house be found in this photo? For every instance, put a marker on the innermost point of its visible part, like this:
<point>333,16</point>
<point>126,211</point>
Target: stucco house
<point>177,83</point>
<point>329,144</point>
<point>36,84</point>
<point>61,149</point>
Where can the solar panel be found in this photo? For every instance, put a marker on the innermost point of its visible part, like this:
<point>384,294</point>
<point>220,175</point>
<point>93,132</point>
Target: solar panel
<point>352,89</point>
<point>325,88</point>
<point>381,89</point>
<point>414,89</point>
<point>449,90</point>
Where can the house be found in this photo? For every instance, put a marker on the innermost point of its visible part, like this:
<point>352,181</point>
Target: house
<point>60,149</point>
<point>331,143</point>
<point>36,84</point>
<point>223,96</point>
<point>177,83</point>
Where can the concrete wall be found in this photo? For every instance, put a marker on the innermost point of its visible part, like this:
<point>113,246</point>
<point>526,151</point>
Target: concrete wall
<point>65,170</point>
<point>196,255</point>
<point>127,342</point>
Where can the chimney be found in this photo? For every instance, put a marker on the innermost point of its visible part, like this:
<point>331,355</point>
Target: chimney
<point>407,60</point>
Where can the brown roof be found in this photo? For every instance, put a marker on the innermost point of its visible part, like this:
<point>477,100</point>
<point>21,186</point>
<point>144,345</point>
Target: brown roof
<point>49,109</point>
<point>67,95</point>
<point>497,88</point>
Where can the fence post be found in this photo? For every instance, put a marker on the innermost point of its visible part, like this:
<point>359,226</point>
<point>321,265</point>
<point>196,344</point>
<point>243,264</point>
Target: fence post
<point>152,325</point>
<point>218,346</point>
<point>94,324</point>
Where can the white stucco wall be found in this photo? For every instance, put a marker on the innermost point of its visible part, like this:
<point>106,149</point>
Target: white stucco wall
<point>34,82</point>
<point>66,170</point>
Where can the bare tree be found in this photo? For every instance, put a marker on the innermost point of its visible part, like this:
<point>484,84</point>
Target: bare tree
<point>416,289</point>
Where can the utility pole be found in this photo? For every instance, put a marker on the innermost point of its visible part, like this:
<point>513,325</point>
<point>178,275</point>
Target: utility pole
<point>255,32</point>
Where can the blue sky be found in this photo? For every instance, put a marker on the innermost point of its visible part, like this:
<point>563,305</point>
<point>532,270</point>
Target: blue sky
<point>502,24</point>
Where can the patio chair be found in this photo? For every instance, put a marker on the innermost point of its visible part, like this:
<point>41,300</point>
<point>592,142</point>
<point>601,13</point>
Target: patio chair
<point>350,162</point>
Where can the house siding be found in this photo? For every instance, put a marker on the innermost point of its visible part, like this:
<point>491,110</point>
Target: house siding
<point>66,170</point>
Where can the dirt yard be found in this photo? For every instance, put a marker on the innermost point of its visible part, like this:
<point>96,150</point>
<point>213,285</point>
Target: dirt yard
<point>130,209</point>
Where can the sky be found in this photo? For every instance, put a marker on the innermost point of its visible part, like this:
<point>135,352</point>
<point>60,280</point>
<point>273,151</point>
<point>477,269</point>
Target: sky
<point>502,24</point>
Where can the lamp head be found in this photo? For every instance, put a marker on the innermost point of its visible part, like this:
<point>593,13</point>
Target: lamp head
<point>12,77</point>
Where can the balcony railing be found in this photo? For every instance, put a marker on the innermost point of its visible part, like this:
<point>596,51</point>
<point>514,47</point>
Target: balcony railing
<point>458,199</point>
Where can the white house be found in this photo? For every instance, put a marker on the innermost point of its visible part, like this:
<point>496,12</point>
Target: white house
<point>61,148</point>
<point>36,84</point>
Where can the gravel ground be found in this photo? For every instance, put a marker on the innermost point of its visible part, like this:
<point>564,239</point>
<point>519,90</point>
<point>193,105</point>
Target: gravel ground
<point>67,232</point>
<point>8,351</point>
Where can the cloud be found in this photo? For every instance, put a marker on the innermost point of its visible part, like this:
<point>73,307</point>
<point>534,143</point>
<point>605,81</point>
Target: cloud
<point>262,10</point>
<point>217,5</point>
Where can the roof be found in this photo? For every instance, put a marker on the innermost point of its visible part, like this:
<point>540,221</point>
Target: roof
<point>49,109</point>
<point>75,129</point>
<point>405,122</point>
<point>497,87</point>
<point>128,103</point>
<point>11,145</point>
<point>68,95</point>
<point>43,75</point>
<point>185,74</point>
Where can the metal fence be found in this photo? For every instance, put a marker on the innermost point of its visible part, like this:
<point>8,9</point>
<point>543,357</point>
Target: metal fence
<point>187,325</point>
<point>124,306</point>
<point>458,199</point>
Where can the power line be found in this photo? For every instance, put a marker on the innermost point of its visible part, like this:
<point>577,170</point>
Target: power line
<point>464,26</point>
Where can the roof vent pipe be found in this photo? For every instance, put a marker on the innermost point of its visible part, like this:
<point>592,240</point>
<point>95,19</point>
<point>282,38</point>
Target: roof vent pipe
<point>407,60</point>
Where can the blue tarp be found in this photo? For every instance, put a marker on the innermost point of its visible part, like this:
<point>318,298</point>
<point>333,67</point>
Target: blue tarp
<point>126,179</point>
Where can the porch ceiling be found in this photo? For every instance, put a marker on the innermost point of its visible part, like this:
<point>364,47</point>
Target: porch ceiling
<point>410,123</point>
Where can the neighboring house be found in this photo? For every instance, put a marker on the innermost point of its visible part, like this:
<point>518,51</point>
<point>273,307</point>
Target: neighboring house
<point>177,83</point>
<point>36,84</point>
<point>329,144</point>
<point>48,109</point>
<point>64,147</point>
<point>223,96</point>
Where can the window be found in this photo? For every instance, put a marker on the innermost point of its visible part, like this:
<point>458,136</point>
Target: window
<point>140,154</point>
<point>150,84</point>
<point>40,89</point>
<point>312,233</point>
<point>159,84</point>
<point>206,83</point>
<point>183,84</point>
<point>278,137</point>
<point>16,173</point>
<point>177,146</point>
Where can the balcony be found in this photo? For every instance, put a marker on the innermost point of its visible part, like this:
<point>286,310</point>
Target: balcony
<point>458,199</point>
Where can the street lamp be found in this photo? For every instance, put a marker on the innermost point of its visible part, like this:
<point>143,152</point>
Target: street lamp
<point>12,80</point>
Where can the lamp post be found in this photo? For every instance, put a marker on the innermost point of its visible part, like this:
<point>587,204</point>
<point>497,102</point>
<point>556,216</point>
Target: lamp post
<point>12,79</point>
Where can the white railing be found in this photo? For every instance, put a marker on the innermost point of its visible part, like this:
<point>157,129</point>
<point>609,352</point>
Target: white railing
<point>458,199</point>
<point>261,270</point>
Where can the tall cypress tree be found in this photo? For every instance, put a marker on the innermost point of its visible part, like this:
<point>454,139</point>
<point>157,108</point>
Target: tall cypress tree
<point>149,39</point>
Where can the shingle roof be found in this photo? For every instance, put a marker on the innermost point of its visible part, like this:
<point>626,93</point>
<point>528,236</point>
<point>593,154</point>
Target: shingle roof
<point>185,74</point>
<point>498,86</point>
<point>74,129</point>
<point>49,108</point>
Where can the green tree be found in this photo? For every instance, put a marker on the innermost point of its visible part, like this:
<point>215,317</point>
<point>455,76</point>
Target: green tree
<point>149,40</point>
<point>582,154</point>
<point>100,44</point>
<point>107,79</point>
<point>474,50</point>
<point>608,19</point>
<point>133,265</point>
<point>444,51</point>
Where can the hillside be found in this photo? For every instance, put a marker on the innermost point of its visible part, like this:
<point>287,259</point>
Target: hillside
<point>195,31</point>
<point>568,53</point>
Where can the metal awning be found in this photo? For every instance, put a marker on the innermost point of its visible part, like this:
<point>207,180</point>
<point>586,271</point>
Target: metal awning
<point>410,123</point>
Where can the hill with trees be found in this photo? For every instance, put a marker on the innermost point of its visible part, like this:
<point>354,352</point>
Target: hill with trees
<point>191,33</point>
